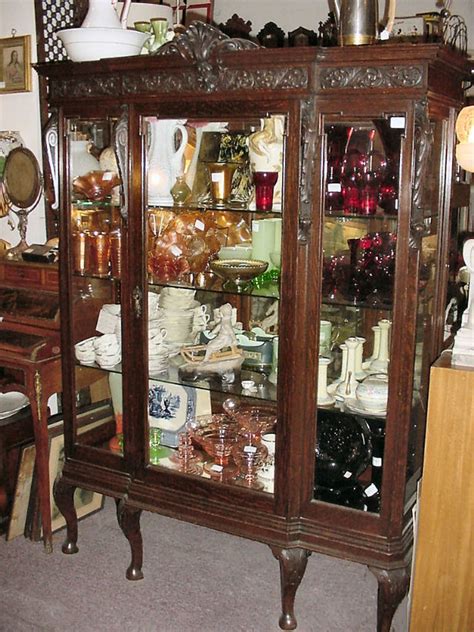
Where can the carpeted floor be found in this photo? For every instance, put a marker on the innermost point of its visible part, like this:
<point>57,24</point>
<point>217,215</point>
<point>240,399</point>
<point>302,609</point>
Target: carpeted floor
<point>195,580</point>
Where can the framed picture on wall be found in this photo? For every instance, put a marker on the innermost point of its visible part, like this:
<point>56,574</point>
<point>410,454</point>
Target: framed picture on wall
<point>193,10</point>
<point>15,64</point>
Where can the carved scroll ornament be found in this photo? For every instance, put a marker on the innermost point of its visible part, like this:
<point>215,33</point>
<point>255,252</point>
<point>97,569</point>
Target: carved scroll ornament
<point>120,141</point>
<point>423,146</point>
<point>381,77</point>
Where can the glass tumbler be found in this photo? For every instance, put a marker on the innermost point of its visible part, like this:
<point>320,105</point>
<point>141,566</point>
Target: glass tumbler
<point>264,185</point>
<point>221,174</point>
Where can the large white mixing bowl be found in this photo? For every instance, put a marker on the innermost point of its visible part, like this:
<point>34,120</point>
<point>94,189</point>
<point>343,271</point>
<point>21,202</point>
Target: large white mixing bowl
<point>87,44</point>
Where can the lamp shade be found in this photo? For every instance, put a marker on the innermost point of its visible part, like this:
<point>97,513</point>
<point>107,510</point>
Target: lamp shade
<point>465,134</point>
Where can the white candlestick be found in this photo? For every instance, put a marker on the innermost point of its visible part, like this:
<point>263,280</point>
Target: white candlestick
<point>323,397</point>
<point>380,363</point>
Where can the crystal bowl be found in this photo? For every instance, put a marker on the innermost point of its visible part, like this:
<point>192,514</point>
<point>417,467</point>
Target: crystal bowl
<point>95,185</point>
<point>216,434</point>
<point>238,271</point>
<point>87,44</point>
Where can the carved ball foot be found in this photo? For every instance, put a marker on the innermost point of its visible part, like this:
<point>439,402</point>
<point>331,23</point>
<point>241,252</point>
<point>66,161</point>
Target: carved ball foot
<point>69,548</point>
<point>287,622</point>
<point>134,574</point>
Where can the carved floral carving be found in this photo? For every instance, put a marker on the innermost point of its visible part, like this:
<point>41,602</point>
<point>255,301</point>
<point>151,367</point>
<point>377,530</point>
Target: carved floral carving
<point>203,47</point>
<point>307,165</point>
<point>381,77</point>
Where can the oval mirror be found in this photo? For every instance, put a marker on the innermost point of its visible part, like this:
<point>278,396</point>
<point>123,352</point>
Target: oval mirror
<point>22,178</point>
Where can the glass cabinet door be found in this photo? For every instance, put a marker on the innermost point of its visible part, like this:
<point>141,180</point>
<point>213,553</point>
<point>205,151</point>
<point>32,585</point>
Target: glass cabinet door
<point>358,270</point>
<point>214,193</point>
<point>95,225</point>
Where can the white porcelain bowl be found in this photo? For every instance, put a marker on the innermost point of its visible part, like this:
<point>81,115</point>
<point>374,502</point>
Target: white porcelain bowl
<point>239,251</point>
<point>372,393</point>
<point>88,44</point>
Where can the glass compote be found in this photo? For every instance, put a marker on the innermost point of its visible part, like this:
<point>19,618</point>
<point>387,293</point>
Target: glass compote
<point>255,421</point>
<point>186,459</point>
<point>216,434</point>
<point>249,454</point>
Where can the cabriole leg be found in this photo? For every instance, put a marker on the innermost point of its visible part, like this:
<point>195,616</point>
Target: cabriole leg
<point>64,497</point>
<point>129,522</point>
<point>292,567</point>
<point>392,587</point>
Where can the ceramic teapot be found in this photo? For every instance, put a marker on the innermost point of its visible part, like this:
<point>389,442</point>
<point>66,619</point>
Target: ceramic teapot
<point>358,22</point>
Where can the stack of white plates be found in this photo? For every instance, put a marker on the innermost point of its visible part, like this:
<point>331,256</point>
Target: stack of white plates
<point>158,350</point>
<point>176,313</point>
<point>11,403</point>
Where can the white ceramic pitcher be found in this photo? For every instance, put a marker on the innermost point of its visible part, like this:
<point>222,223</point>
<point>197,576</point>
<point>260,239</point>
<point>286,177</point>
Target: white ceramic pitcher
<point>165,159</point>
<point>101,14</point>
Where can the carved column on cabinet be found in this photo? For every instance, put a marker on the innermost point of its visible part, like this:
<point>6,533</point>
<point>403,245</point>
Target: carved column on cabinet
<point>292,567</point>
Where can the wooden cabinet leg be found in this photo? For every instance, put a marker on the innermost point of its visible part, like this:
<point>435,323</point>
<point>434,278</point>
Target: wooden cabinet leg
<point>129,522</point>
<point>64,498</point>
<point>292,567</point>
<point>392,587</point>
<point>39,414</point>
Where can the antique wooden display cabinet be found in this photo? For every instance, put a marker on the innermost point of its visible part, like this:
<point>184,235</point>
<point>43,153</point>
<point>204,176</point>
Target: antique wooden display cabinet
<point>319,315</point>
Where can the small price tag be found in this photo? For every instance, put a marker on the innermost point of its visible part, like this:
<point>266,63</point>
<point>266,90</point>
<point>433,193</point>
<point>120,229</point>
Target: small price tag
<point>347,474</point>
<point>108,175</point>
<point>217,177</point>
<point>176,251</point>
<point>250,449</point>
<point>217,468</point>
<point>376,461</point>
<point>334,187</point>
<point>199,224</point>
<point>397,122</point>
<point>371,490</point>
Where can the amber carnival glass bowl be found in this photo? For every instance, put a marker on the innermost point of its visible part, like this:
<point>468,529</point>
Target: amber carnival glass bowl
<point>238,272</point>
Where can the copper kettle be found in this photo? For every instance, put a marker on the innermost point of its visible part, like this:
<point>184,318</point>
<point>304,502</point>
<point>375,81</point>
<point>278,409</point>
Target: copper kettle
<point>358,22</point>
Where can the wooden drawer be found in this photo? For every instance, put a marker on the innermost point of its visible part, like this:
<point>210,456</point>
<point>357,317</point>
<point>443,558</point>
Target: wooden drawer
<point>29,275</point>
<point>51,279</point>
<point>23,275</point>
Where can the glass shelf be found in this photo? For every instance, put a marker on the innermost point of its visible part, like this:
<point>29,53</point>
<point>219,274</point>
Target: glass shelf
<point>264,389</point>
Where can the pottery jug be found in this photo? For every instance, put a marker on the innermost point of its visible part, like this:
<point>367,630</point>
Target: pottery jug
<point>81,160</point>
<point>266,149</point>
<point>358,21</point>
<point>165,158</point>
<point>101,14</point>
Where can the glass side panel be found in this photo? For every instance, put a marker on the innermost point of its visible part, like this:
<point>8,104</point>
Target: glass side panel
<point>426,327</point>
<point>95,243</point>
<point>358,269</point>
<point>214,195</point>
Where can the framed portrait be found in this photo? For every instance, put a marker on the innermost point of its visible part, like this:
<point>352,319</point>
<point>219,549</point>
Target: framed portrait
<point>15,64</point>
<point>85,501</point>
<point>193,10</point>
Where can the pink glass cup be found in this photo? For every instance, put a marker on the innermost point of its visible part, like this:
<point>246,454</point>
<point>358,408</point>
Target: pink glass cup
<point>264,184</point>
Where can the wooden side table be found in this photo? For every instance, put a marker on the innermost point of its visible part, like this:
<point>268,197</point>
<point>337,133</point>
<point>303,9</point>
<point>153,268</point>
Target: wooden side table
<point>443,574</point>
<point>31,364</point>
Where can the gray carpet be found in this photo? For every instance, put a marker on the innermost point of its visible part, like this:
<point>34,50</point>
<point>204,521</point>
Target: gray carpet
<point>195,580</point>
